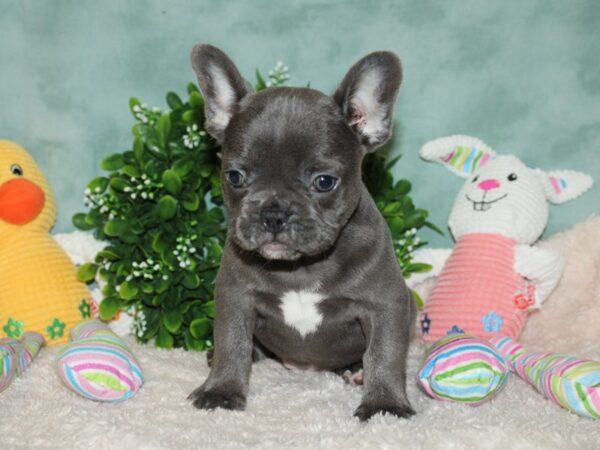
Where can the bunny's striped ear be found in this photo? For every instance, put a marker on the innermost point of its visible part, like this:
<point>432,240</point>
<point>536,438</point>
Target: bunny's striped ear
<point>463,155</point>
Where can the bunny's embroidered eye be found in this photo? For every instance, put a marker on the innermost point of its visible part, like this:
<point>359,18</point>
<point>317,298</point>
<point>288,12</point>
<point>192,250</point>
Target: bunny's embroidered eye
<point>512,177</point>
<point>16,169</point>
<point>475,179</point>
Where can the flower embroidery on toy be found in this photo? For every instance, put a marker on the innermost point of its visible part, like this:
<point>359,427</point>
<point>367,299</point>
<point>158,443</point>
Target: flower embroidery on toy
<point>56,329</point>
<point>85,309</point>
<point>455,330</point>
<point>13,328</point>
<point>425,324</point>
<point>492,322</point>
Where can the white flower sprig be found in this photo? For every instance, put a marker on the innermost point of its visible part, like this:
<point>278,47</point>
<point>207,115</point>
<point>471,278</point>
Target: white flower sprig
<point>105,202</point>
<point>193,137</point>
<point>184,250</point>
<point>146,269</point>
<point>146,114</point>
<point>142,188</point>
<point>139,322</point>
<point>278,75</point>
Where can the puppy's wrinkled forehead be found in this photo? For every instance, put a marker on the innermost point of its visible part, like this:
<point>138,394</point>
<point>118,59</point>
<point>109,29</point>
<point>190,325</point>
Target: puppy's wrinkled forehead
<point>289,126</point>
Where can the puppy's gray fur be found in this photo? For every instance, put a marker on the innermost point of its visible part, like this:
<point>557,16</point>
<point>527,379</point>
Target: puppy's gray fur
<point>326,255</point>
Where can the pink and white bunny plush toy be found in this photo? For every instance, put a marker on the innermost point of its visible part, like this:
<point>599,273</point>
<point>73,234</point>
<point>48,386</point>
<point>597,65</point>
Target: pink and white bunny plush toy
<point>493,276</point>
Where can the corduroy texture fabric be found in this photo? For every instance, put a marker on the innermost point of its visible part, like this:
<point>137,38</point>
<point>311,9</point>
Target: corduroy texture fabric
<point>570,382</point>
<point>463,369</point>
<point>38,286</point>
<point>17,355</point>
<point>476,291</point>
<point>98,365</point>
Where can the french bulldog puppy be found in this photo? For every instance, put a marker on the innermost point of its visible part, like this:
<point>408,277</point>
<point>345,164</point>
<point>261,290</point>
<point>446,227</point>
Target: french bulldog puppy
<point>308,271</point>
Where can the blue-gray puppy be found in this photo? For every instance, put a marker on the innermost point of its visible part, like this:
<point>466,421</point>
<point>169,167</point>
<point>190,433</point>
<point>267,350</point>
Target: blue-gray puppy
<point>308,273</point>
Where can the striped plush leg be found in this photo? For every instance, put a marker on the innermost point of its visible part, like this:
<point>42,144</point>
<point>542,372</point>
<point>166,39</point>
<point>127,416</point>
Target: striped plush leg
<point>16,356</point>
<point>464,369</point>
<point>570,382</point>
<point>98,365</point>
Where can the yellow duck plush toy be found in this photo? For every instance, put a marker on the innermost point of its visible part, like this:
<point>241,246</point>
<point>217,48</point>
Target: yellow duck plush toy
<point>39,290</point>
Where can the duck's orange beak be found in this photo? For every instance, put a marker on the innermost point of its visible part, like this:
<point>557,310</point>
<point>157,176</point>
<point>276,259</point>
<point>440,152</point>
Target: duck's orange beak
<point>21,201</point>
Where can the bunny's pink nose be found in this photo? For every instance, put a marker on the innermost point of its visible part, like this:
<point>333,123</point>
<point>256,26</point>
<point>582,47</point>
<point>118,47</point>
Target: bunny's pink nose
<point>489,184</point>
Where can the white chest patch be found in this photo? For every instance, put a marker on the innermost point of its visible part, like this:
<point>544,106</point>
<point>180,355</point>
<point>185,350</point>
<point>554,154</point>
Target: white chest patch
<point>300,310</point>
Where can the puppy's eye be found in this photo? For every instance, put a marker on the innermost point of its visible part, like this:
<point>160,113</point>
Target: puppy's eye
<point>475,179</point>
<point>235,178</point>
<point>324,183</point>
<point>512,177</point>
<point>16,169</point>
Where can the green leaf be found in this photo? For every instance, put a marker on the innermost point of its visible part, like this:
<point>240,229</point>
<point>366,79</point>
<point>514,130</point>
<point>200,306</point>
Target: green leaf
<point>172,321</point>
<point>191,343</point>
<point>183,166</point>
<point>131,171</point>
<point>418,268</point>
<point>402,187</point>
<point>417,298</point>
<point>200,328</point>
<point>138,148</point>
<point>433,227</point>
<point>190,201</point>
<point>392,162</point>
<point>109,307</point>
<point>162,285</point>
<point>116,227</point>
<point>196,101</point>
<point>87,272</point>
<point>164,339</point>
<point>128,290</point>
<point>208,308</point>
<point>98,185</point>
<point>173,100</point>
<point>112,162</point>
<point>80,223</point>
<point>118,183</point>
<point>415,219</point>
<point>189,116</point>
<point>132,103</point>
<point>172,182</point>
<point>163,127</point>
<point>160,243</point>
<point>396,225</point>
<point>166,207</point>
<point>191,87</point>
<point>260,82</point>
<point>190,280</point>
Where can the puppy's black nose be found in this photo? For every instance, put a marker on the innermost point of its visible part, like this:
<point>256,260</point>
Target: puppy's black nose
<point>274,220</point>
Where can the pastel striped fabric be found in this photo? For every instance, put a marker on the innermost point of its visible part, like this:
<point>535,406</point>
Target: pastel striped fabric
<point>17,355</point>
<point>466,160</point>
<point>98,365</point>
<point>570,382</point>
<point>463,369</point>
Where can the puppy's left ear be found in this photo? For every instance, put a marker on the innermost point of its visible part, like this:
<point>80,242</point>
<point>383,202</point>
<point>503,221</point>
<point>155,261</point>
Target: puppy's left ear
<point>222,85</point>
<point>367,95</point>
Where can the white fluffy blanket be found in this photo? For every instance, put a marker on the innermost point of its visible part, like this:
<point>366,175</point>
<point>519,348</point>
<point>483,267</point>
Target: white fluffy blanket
<point>295,409</point>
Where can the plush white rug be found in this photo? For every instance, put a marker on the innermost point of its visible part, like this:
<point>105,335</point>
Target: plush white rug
<point>295,409</point>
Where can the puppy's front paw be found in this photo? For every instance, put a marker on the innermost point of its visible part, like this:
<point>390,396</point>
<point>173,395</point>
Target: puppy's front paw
<point>365,412</point>
<point>202,399</point>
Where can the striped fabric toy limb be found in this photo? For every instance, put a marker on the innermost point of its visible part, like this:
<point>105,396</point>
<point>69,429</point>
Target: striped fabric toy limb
<point>17,355</point>
<point>98,365</point>
<point>464,369</point>
<point>570,382</point>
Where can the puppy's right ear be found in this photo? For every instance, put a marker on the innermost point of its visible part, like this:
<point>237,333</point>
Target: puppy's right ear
<point>221,84</point>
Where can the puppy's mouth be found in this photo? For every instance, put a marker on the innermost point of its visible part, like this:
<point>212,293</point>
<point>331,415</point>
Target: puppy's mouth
<point>278,250</point>
<point>483,204</point>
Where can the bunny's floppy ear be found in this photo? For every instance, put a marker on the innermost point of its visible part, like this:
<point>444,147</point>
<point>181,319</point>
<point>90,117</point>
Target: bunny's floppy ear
<point>463,155</point>
<point>563,185</point>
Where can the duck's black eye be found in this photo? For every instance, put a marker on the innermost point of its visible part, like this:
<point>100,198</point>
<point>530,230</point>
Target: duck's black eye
<point>16,170</point>
<point>475,179</point>
<point>235,178</point>
<point>324,183</point>
<point>512,177</point>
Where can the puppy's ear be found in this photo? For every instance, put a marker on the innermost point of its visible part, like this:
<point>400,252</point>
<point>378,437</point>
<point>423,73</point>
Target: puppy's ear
<point>221,84</point>
<point>367,95</point>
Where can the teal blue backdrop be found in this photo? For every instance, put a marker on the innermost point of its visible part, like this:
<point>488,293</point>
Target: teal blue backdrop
<point>522,75</point>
